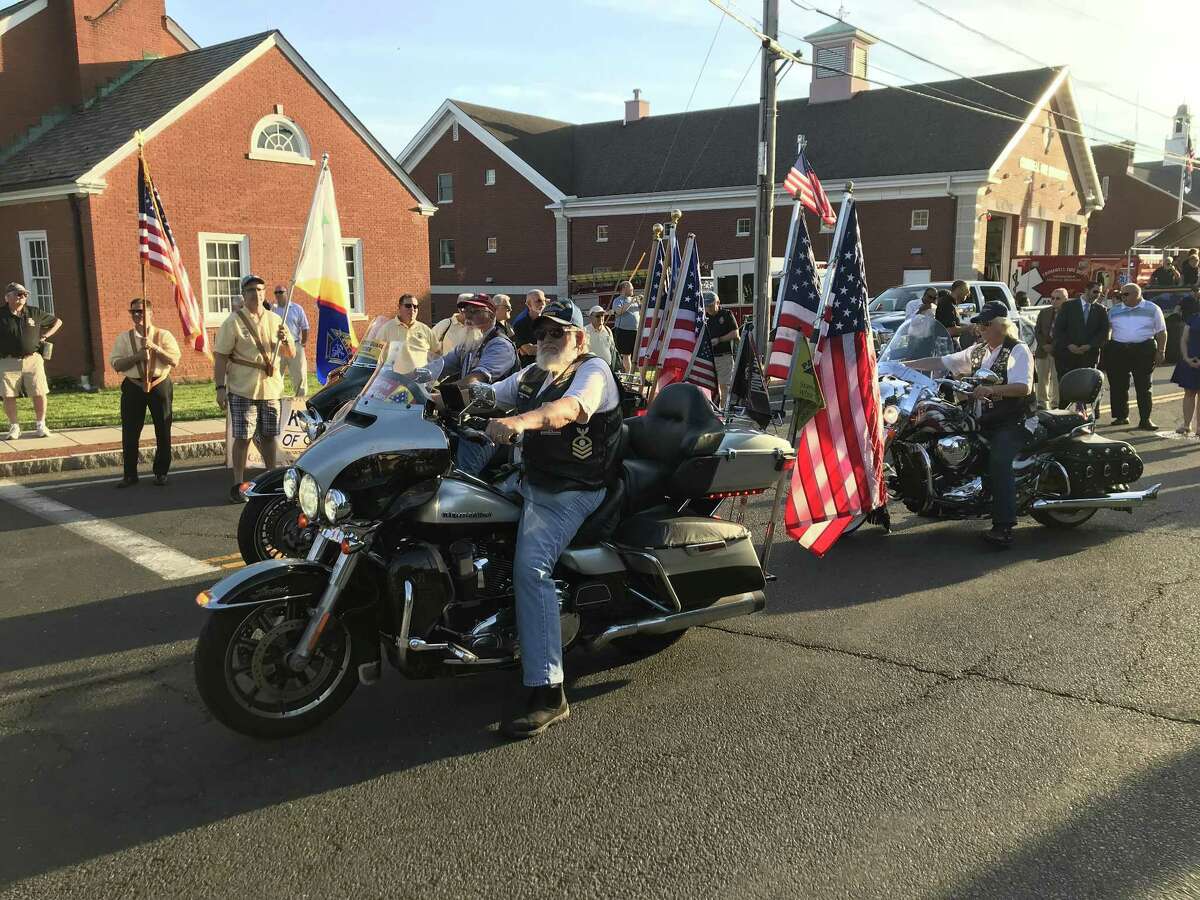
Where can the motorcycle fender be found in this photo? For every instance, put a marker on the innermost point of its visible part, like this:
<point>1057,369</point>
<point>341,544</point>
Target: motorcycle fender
<point>267,484</point>
<point>265,582</point>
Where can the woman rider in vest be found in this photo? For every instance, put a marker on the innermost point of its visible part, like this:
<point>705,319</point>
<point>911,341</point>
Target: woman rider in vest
<point>568,417</point>
<point>1011,402</point>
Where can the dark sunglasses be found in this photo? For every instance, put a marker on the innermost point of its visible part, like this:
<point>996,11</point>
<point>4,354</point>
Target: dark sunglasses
<point>551,333</point>
<point>411,305</point>
<point>137,313</point>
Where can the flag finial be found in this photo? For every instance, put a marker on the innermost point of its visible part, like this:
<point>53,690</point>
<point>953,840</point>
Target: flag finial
<point>140,138</point>
<point>325,159</point>
<point>676,215</point>
<point>657,229</point>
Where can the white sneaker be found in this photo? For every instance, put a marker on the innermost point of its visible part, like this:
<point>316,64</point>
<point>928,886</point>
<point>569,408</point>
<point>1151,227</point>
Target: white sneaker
<point>14,431</point>
<point>41,430</point>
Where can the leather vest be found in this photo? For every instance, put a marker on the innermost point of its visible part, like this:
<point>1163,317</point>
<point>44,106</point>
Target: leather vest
<point>1006,410</point>
<point>579,457</point>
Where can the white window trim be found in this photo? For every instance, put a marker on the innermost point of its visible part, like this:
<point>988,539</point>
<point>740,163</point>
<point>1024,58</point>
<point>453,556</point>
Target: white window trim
<point>357,244</point>
<point>25,237</point>
<point>601,240</point>
<point>297,159</point>
<point>737,227</point>
<point>214,319</point>
<point>437,189</point>
<point>912,220</point>
<point>486,173</point>
<point>440,266</point>
<point>490,246</point>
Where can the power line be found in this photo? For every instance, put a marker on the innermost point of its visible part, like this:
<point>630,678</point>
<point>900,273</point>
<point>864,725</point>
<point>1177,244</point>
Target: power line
<point>999,43</point>
<point>667,156</point>
<point>968,105</point>
<point>945,68</point>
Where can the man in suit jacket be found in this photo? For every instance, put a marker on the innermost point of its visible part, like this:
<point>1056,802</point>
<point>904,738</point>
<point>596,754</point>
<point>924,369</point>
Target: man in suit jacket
<point>1080,330</point>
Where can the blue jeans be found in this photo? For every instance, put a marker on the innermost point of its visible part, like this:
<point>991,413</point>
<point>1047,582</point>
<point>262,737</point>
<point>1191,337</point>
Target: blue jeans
<point>473,456</point>
<point>549,521</point>
<point>1006,443</point>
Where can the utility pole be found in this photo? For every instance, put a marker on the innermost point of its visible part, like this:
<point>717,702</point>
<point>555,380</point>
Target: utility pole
<point>767,116</point>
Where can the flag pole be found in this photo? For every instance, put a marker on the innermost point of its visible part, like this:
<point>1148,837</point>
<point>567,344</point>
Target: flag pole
<point>303,244</point>
<point>676,297</point>
<point>146,372</point>
<point>651,292</point>
<point>785,476</point>
<point>727,399</point>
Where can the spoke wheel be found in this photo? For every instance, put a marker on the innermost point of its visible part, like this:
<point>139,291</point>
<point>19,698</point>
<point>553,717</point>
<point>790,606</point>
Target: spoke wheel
<point>269,529</point>
<point>244,677</point>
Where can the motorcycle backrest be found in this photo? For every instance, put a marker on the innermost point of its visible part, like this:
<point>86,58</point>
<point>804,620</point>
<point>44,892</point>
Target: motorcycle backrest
<point>1080,386</point>
<point>679,423</point>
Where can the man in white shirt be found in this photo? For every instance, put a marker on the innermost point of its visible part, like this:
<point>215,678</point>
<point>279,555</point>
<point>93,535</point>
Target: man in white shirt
<point>1138,344</point>
<point>923,305</point>
<point>297,322</point>
<point>600,339</point>
<point>568,417</point>
<point>1009,404</point>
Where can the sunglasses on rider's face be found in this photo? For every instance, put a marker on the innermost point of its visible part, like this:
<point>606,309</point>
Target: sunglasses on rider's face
<point>411,305</point>
<point>549,334</point>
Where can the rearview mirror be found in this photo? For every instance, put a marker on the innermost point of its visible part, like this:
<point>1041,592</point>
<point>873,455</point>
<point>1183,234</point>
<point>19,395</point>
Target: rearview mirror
<point>987,376</point>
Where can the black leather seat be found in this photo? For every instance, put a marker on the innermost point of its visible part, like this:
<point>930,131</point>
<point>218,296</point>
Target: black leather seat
<point>659,528</point>
<point>1080,386</point>
<point>1058,422</point>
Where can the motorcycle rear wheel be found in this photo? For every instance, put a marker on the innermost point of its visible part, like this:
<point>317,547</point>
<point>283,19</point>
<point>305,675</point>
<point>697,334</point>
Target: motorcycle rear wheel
<point>1063,518</point>
<point>267,529</point>
<point>243,678</point>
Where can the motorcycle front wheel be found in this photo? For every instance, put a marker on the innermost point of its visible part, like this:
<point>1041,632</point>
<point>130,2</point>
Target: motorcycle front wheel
<point>268,529</point>
<point>244,678</point>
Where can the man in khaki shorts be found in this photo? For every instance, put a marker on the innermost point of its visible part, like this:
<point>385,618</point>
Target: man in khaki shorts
<point>22,330</point>
<point>249,377</point>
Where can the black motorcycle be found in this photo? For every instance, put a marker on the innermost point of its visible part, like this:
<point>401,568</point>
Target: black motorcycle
<point>937,453</point>
<point>413,560</point>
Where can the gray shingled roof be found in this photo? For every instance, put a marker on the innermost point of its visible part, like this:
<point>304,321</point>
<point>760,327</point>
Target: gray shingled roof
<point>88,135</point>
<point>1165,177</point>
<point>876,133</point>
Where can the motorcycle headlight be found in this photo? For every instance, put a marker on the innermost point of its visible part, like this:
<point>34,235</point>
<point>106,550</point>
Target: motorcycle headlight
<point>891,414</point>
<point>310,496</point>
<point>291,483</point>
<point>336,507</point>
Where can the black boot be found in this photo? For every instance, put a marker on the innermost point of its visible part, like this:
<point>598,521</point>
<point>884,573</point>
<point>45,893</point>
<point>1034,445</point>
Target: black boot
<point>542,707</point>
<point>1000,536</point>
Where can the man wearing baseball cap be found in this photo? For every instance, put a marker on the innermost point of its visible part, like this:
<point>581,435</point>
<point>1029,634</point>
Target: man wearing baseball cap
<point>568,417</point>
<point>296,319</point>
<point>248,351</point>
<point>1008,405</point>
<point>23,328</point>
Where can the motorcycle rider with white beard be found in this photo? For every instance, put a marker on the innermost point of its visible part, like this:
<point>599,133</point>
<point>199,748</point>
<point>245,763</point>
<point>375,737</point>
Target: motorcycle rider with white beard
<point>569,421</point>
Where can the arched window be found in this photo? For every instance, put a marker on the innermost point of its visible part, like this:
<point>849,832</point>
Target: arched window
<point>279,139</point>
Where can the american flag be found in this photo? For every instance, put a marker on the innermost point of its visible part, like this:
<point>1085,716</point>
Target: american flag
<point>651,343</point>
<point>1189,165</point>
<point>839,458</point>
<point>803,184</point>
<point>688,319</point>
<point>156,246</point>
<point>702,371</point>
<point>799,297</point>
<point>653,283</point>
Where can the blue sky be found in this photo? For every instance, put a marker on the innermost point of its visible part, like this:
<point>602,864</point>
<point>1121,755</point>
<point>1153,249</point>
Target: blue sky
<point>577,60</point>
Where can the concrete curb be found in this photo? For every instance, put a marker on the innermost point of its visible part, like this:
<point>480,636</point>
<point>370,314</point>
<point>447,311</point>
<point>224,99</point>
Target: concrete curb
<point>102,459</point>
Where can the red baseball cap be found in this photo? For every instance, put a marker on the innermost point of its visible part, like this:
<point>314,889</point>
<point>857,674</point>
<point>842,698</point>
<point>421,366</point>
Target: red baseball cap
<point>483,301</point>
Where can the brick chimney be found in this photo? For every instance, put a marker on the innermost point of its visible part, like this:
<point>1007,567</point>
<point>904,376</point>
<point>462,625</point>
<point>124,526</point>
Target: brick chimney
<point>109,36</point>
<point>637,108</point>
<point>839,63</point>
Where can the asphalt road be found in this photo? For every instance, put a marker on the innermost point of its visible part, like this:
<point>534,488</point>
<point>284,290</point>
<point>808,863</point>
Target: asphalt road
<point>913,716</point>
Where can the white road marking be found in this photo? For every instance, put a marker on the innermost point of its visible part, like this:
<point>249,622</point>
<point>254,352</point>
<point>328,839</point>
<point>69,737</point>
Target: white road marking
<point>60,485</point>
<point>169,564</point>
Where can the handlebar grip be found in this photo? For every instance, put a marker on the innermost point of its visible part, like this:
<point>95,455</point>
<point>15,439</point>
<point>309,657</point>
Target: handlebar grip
<point>475,437</point>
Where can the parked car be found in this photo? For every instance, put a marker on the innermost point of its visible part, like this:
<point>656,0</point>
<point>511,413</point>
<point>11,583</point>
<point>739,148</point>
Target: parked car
<point>887,309</point>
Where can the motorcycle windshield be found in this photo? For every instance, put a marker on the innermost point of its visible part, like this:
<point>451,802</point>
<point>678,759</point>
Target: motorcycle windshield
<point>370,348</point>
<point>388,392</point>
<point>917,338</point>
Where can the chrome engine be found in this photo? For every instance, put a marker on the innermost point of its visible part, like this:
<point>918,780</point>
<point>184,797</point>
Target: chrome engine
<point>954,451</point>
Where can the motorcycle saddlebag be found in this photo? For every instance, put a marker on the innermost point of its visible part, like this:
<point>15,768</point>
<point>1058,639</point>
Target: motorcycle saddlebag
<point>1095,465</point>
<point>702,559</point>
<point>746,460</point>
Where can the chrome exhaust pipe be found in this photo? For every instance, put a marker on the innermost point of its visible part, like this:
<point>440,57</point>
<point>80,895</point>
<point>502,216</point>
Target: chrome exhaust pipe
<point>725,608</point>
<point>1123,500</point>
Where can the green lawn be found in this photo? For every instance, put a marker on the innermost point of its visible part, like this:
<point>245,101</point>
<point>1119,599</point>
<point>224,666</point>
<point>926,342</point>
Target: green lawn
<point>73,408</point>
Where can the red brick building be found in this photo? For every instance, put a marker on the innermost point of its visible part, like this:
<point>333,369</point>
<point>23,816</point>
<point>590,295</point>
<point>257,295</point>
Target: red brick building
<point>944,191</point>
<point>233,136</point>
